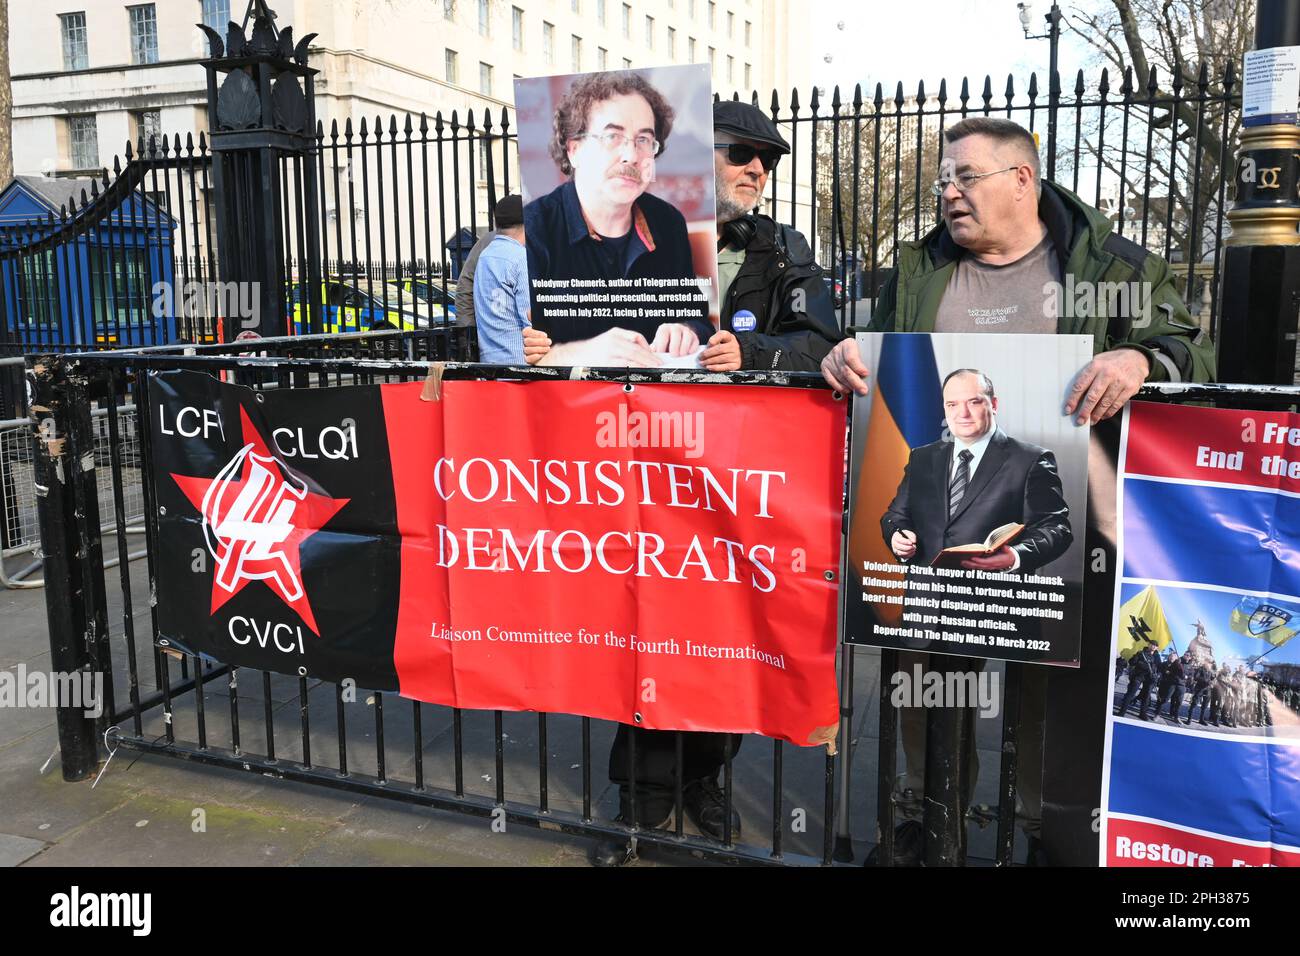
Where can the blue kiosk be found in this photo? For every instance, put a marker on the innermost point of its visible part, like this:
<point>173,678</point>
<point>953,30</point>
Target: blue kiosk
<point>94,292</point>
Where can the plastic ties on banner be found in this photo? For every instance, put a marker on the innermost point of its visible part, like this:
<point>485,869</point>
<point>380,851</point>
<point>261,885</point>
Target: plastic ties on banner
<point>112,752</point>
<point>432,391</point>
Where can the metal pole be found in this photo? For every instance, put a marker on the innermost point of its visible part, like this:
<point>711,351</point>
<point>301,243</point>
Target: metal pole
<point>1054,86</point>
<point>53,478</point>
<point>1261,275</point>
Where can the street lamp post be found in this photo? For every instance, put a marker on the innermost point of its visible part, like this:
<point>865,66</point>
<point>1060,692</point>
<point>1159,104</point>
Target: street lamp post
<point>1053,38</point>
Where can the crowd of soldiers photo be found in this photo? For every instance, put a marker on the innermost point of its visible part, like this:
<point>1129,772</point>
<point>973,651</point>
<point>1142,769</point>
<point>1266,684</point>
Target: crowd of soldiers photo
<point>1226,697</point>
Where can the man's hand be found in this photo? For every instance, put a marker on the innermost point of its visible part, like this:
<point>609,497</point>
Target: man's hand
<point>843,369</point>
<point>903,544</point>
<point>614,348</point>
<point>1000,560</point>
<point>675,339</point>
<point>1105,384</point>
<point>536,344</point>
<point>723,353</point>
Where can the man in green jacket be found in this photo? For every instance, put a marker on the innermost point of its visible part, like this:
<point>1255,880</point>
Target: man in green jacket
<point>1005,235</point>
<point>1015,254</point>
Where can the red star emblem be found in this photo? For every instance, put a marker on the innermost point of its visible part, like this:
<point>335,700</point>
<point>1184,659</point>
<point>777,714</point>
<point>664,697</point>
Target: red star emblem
<point>256,515</point>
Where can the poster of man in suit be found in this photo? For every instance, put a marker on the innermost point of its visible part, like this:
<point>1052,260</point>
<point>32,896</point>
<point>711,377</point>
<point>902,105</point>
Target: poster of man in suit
<point>968,495</point>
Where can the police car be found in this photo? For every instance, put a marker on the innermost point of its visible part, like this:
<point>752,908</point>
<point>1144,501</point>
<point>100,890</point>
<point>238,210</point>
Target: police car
<point>427,291</point>
<point>352,307</point>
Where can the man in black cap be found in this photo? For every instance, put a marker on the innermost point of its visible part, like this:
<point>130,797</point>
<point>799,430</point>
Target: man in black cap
<point>776,312</point>
<point>501,288</point>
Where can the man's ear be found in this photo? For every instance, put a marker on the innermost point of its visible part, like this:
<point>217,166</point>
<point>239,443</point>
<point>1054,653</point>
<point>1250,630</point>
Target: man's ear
<point>572,151</point>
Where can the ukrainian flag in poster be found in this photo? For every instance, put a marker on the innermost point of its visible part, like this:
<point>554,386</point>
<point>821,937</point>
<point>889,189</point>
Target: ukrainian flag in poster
<point>906,413</point>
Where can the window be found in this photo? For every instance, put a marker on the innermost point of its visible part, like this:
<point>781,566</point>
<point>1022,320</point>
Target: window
<point>450,59</point>
<point>690,9</point>
<point>600,11</point>
<point>75,56</point>
<point>484,15</point>
<point>485,79</point>
<point>449,9</point>
<point>672,43</point>
<point>749,29</point>
<point>144,34</point>
<point>748,85</point>
<point>216,14</point>
<point>575,6</point>
<point>731,25</point>
<point>627,21</point>
<point>690,49</point>
<point>602,58</point>
<point>627,64</point>
<point>731,69</point>
<point>517,28</point>
<point>548,42</point>
<point>148,123</point>
<point>713,14</point>
<point>575,53</point>
<point>712,57</point>
<point>83,141</point>
<point>650,33</point>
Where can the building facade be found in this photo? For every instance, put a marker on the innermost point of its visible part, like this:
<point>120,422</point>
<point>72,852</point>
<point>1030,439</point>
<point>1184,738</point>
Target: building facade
<point>92,74</point>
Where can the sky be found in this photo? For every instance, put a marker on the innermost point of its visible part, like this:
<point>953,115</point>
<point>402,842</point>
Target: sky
<point>885,41</point>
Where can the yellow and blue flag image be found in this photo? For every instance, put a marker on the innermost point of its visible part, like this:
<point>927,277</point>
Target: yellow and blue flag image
<point>1142,621</point>
<point>1264,619</point>
<point>906,413</point>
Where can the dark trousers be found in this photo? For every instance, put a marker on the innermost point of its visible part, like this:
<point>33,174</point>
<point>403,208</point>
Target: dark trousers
<point>1134,683</point>
<point>1201,694</point>
<point>1174,694</point>
<point>1216,706</point>
<point>703,754</point>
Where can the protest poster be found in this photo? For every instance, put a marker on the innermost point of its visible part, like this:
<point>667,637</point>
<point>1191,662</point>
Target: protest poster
<point>1202,755</point>
<point>619,215</point>
<point>968,491</point>
<point>662,555</point>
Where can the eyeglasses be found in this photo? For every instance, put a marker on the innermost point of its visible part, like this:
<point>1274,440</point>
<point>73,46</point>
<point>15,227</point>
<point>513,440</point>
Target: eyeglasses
<point>963,181</point>
<point>614,142</point>
<point>739,154</point>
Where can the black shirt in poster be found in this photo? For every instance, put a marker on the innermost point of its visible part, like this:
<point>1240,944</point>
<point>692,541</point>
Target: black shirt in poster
<point>563,246</point>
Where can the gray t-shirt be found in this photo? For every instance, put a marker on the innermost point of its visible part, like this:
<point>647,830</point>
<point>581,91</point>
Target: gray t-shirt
<point>1015,297</point>
<point>465,284</point>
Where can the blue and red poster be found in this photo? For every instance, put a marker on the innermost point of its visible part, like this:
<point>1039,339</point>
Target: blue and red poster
<point>1202,764</point>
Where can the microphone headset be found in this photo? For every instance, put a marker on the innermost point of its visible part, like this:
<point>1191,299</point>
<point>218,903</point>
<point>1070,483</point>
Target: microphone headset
<point>738,233</point>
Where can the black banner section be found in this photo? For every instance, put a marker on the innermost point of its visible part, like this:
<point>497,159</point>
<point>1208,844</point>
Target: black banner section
<point>277,535</point>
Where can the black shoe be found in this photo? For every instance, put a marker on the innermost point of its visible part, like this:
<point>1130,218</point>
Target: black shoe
<point>705,807</point>
<point>908,839</point>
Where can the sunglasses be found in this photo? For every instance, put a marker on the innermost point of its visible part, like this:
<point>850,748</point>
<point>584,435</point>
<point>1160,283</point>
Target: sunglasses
<point>738,154</point>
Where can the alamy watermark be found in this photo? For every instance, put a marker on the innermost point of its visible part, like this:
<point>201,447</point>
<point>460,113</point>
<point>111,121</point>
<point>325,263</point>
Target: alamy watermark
<point>1084,300</point>
<point>637,429</point>
<point>922,688</point>
<point>236,301</point>
<point>78,690</point>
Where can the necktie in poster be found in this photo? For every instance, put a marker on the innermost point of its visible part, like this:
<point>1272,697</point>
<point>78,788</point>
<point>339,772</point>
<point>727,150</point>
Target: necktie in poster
<point>1202,764</point>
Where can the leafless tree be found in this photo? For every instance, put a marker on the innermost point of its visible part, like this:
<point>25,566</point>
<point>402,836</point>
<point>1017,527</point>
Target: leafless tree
<point>1169,59</point>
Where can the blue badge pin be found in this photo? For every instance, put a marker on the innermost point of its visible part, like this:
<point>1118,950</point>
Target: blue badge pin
<point>744,321</point>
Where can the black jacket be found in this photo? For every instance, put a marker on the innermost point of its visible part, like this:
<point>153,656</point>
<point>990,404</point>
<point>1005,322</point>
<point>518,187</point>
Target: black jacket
<point>1172,673</point>
<point>561,246</point>
<point>781,284</point>
<point>1143,666</point>
<point>1015,481</point>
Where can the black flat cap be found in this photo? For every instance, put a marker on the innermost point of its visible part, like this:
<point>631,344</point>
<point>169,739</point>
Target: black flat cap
<point>509,211</point>
<point>742,119</point>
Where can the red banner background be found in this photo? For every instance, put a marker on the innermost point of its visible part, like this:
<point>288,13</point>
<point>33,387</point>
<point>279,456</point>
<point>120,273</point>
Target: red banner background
<point>651,630</point>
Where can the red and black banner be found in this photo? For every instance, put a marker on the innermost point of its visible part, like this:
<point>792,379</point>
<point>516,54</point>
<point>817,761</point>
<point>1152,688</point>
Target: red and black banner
<point>662,555</point>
